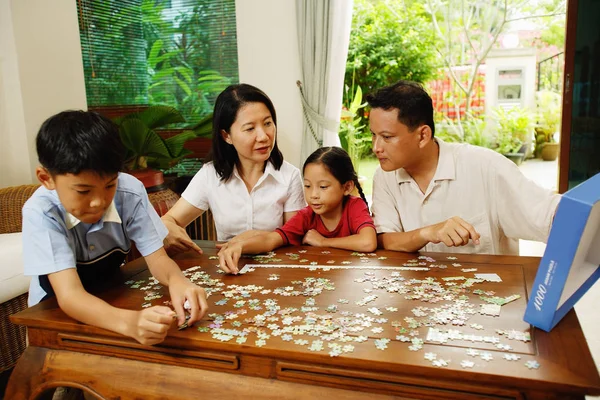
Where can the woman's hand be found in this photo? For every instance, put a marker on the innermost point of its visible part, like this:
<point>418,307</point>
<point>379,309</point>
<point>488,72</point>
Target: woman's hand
<point>178,240</point>
<point>229,257</point>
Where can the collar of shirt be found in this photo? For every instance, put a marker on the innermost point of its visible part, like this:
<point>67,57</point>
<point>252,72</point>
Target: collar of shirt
<point>269,170</point>
<point>110,215</point>
<point>446,169</point>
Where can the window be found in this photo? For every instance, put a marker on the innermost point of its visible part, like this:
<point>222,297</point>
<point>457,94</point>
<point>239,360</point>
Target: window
<point>182,53</point>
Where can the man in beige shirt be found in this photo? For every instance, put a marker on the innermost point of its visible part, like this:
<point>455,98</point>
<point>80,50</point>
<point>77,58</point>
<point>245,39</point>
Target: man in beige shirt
<point>446,197</point>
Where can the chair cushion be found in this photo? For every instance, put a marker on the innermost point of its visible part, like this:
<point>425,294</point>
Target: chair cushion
<point>12,281</point>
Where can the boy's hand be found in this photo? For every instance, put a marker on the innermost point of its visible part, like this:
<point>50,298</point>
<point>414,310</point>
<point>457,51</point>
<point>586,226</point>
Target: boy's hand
<point>229,256</point>
<point>314,238</point>
<point>150,326</point>
<point>453,232</point>
<point>178,240</point>
<point>182,290</point>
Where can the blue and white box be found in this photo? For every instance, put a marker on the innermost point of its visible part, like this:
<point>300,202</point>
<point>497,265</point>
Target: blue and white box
<point>571,262</point>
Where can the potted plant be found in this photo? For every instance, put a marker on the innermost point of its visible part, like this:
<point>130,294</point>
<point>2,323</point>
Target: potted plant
<point>514,132</point>
<point>146,148</point>
<point>148,151</point>
<point>548,113</point>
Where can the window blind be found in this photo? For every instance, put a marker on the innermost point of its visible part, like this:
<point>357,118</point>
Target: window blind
<point>182,53</point>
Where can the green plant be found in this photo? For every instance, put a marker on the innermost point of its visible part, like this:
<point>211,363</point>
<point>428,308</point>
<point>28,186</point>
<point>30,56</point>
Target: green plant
<point>514,127</point>
<point>506,143</point>
<point>548,114</point>
<point>471,130</point>
<point>146,148</point>
<point>389,40</point>
<point>353,136</point>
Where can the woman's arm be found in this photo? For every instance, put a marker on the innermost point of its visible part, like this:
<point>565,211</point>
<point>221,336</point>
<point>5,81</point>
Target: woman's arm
<point>288,215</point>
<point>176,219</point>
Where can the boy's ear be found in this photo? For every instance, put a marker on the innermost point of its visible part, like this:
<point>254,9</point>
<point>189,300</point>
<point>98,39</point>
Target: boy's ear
<point>45,178</point>
<point>226,137</point>
<point>348,187</point>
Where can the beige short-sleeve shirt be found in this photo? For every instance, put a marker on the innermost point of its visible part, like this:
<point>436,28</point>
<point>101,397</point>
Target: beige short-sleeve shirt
<point>477,184</point>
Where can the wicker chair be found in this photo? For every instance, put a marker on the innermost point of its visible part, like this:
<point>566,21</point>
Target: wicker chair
<point>12,337</point>
<point>203,227</point>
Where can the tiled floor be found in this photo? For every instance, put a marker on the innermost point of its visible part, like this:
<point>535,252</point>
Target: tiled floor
<point>545,174</point>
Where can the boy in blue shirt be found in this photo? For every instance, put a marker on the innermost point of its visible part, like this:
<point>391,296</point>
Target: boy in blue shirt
<point>78,228</point>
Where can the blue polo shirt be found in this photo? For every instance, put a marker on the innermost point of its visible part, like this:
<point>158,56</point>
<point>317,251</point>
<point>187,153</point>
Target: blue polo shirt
<point>54,240</point>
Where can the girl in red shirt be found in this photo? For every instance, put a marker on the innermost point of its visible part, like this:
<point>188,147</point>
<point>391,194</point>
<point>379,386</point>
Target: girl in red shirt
<point>333,218</point>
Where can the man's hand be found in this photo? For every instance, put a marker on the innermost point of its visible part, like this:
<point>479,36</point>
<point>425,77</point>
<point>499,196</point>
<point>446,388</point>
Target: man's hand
<point>229,256</point>
<point>150,326</point>
<point>314,238</point>
<point>453,232</point>
<point>183,290</point>
<point>178,240</point>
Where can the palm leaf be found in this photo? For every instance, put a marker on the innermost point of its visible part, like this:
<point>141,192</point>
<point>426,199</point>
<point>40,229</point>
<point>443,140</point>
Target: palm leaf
<point>133,134</point>
<point>175,143</point>
<point>155,146</point>
<point>204,127</point>
<point>159,116</point>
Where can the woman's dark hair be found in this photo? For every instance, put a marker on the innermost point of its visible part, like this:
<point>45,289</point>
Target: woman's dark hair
<point>229,102</point>
<point>339,164</point>
<point>414,105</point>
<point>74,141</point>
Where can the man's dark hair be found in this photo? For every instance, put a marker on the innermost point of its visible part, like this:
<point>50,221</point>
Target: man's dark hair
<point>413,103</point>
<point>228,103</point>
<point>74,141</point>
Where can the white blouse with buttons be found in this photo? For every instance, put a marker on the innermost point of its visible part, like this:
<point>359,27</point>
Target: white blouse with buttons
<point>479,185</point>
<point>235,209</point>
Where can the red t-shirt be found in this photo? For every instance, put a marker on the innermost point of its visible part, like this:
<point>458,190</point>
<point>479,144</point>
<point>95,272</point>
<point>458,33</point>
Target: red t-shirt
<point>355,216</point>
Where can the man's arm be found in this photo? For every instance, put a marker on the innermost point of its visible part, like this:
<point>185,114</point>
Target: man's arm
<point>452,232</point>
<point>402,241</point>
<point>148,326</point>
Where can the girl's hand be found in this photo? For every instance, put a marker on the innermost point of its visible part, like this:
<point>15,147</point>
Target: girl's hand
<point>178,240</point>
<point>314,238</point>
<point>229,257</point>
<point>183,290</point>
<point>150,326</point>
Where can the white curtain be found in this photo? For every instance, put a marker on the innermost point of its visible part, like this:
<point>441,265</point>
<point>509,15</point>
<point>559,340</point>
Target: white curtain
<point>323,37</point>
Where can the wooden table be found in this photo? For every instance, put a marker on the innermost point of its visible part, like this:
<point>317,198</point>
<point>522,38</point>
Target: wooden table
<point>190,364</point>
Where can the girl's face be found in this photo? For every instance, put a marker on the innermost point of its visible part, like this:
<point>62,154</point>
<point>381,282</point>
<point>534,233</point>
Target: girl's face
<point>323,192</point>
<point>252,133</point>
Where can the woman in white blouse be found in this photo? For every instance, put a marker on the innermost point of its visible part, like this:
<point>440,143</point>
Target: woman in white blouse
<point>246,184</point>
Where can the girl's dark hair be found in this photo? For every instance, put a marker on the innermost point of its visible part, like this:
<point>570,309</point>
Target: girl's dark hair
<point>413,103</point>
<point>74,141</point>
<point>339,164</point>
<point>229,102</point>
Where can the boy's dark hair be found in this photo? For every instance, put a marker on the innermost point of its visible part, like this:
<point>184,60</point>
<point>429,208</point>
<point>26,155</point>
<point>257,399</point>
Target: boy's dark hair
<point>229,102</point>
<point>339,164</point>
<point>413,103</point>
<point>74,141</point>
